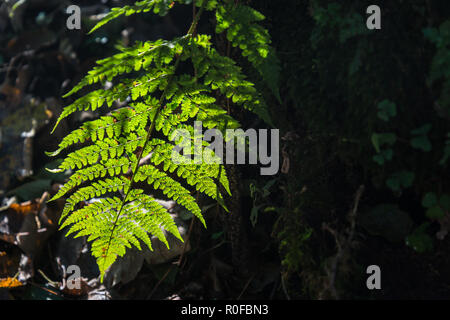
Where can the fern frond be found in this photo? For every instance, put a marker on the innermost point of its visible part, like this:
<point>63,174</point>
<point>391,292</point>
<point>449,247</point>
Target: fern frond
<point>121,121</point>
<point>160,7</point>
<point>139,218</point>
<point>113,167</point>
<point>111,156</point>
<point>171,188</point>
<point>128,87</point>
<point>243,31</point>
<point>200,176</point>
<point>141,56</point>
<point>96,189</point>
<point>221,73</point>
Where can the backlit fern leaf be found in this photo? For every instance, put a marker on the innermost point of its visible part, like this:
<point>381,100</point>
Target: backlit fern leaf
<point>115,160</point>
<point>160,7</point>
<point>157,6</point>
<point>243,31</point>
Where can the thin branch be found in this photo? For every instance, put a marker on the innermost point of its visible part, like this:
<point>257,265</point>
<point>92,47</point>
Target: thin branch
<point>343,243</point>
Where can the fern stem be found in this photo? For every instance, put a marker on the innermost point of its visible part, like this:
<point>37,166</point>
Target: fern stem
<point>190,34</point>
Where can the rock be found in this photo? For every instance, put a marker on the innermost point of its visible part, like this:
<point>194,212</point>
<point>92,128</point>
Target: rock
<point>387,221</point>
<point>18,126</point>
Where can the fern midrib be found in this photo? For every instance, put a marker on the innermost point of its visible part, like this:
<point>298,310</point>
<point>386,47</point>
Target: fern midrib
<point>190,34</point>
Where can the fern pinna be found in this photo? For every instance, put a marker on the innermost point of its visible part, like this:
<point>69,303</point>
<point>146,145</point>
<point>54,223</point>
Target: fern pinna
<point>109,159</point>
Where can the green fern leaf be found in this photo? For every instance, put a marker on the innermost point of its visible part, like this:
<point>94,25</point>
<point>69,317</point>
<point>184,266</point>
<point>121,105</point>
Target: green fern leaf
<point>112,156</point>
<point>240,22</point>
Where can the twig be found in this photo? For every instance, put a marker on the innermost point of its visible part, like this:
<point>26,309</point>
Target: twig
<point>352,214</point>
<point>274,289</point>
<point>159,282</point>
<point>214,247</point>
<point>52,283</point>
<point>185,243</point>
<point>343,243</point>
<point>245,287</point>
<point>45,289</point>
<point>283,285</point>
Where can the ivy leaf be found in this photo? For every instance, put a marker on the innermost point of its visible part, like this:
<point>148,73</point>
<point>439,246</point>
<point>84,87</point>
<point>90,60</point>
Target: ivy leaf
<point>393,184</point>
<point>254,215</point>
<point>435,213</point>
<point>378,158</point>
<point>419,240</point>
<point>422,130</point>
<point>385,155</point>
<point>380,139</point>
<point>432,34</point>
<point>400,180</point>
<point>388,154</point>
<point>446,151</point>
<point>387,109</point>
<point>429,200</point>
<point>444,201</point>
<point>421,143</point>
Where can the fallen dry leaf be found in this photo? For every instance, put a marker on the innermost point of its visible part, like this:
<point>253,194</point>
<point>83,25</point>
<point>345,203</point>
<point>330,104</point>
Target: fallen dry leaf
<point>9,263</point>
<point>10,283</point>
<point>25,207</point>
<point>29,224</point>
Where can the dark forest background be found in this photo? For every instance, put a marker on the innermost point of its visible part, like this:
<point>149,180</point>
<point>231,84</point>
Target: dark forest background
<point>364,120</point>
